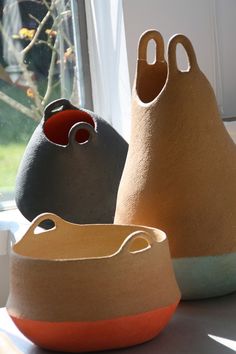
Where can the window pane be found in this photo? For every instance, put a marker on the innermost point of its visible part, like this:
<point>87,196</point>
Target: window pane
<point>37,65</point>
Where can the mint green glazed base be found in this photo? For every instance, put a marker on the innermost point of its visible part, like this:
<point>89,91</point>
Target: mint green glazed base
<point>204,277</point>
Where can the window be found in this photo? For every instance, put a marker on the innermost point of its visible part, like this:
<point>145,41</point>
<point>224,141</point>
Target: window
<point>43,49</point>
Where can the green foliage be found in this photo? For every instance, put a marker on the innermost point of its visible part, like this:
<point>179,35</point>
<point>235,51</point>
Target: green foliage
<point>49,61</point>
<point>10,156</point>
<point>14,126</point>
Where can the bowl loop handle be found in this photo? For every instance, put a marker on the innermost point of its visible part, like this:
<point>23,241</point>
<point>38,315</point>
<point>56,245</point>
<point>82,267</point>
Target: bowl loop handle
<point>43,217</point>
<point>126,245</point>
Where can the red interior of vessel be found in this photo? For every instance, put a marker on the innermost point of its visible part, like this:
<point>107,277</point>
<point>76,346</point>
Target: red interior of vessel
<point>57,127</point>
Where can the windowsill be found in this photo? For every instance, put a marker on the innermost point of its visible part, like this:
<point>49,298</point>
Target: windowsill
<point>11,219</point>
<point>7,205</point>
<point>231,128</point>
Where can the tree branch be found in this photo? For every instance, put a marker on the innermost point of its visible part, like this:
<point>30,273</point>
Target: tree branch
<point>53,11</point>
<point>38,31</point>
<point>19,107</point>
<point>20,60</point>
<point>58,21</point>
<point>50,74</point>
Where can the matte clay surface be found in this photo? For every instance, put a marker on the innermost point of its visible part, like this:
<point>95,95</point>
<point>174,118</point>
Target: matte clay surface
<point>72,166</point>
<point>203,277</point>
<point>92,274</point>
<point>197,327</point>
<point>180,173</point>
<point>97,335</point>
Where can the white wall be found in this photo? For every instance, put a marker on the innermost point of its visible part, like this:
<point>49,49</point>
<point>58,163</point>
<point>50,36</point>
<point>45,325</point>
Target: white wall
<point>226,24</point>
<point>209,24</point>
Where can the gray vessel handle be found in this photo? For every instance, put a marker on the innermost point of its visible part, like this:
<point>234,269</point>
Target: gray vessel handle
<point>57,106</point>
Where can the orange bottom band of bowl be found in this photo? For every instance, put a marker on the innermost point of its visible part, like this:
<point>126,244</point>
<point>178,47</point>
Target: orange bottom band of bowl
<point>98,335</point>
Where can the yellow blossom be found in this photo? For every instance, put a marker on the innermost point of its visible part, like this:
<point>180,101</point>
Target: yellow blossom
<point>26,33</point>
<point>69,54</point>
<point>30,92</point>
<point>51,33</point>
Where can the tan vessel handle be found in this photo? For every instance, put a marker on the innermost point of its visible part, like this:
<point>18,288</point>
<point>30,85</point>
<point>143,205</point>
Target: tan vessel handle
<point>43,217</point>
<point>185,42</point>
<point>125,247</point>
<point>143,43</point>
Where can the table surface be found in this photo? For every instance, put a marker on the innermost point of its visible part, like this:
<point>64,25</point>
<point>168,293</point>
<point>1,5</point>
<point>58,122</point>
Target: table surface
<point>198,327</point>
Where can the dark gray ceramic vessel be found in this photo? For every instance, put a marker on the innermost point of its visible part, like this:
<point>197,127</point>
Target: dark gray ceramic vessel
<point>75,180</point>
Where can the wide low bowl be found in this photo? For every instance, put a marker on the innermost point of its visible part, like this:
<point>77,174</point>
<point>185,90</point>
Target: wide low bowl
<point>77,288</point>
<point>206,276</point>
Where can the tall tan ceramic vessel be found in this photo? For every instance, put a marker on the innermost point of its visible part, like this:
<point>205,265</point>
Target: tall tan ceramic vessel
<point>180,172</point>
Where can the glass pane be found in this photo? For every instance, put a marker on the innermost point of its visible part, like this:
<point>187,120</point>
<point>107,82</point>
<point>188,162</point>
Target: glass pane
<point>37,65</point>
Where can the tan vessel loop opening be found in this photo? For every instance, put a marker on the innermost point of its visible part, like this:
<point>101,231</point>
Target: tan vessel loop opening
<point>182,59</point>
<point>150,76</point>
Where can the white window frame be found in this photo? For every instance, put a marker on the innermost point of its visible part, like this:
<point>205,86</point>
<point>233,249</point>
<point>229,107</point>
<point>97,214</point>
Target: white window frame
<point>109,63</point>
